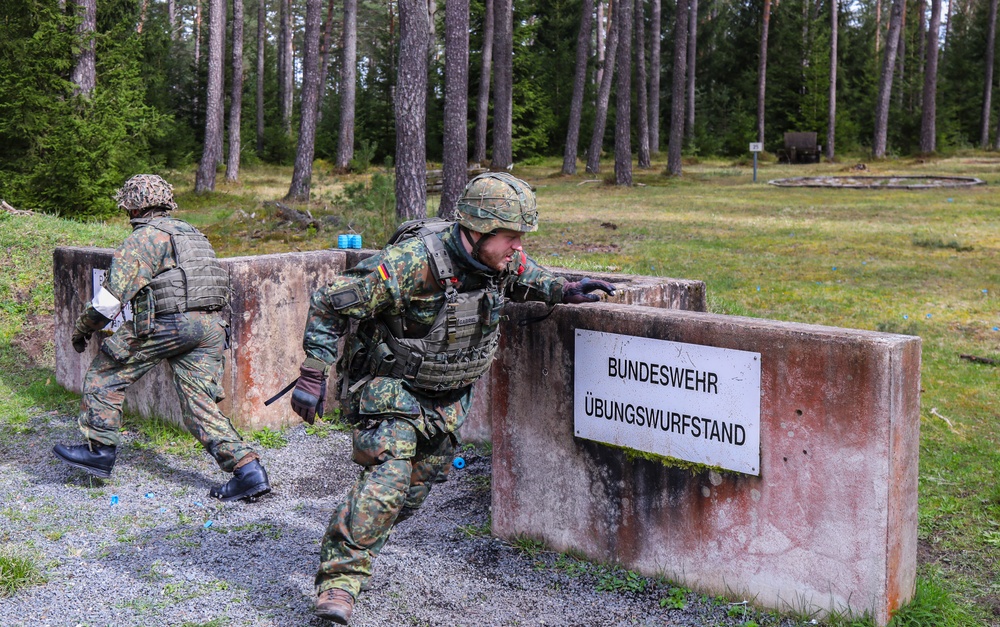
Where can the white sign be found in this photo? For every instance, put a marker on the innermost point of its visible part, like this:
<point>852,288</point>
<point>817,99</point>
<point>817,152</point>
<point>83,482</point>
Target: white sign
<point>756,147</point>
<point>696,403</point>
<point>123,315</point>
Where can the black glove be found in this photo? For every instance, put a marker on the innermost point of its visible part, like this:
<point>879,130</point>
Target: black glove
<point>309,395</point>
<point>89,321</point>
<point>580,291</point>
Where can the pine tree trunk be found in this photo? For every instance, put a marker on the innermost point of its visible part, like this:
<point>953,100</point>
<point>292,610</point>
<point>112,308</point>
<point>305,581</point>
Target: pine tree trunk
<point>901,59</point>
<point>878,26</point>
<point>84,74</point>
<point>261,42</point>
<point>762,69</point>
<point>623,109</point>
<point>655,34</point>
<point>692,58</point>
<point>211,154</point>
<point>172,18</point>
<point>641,90</point>
<point>455,165</point>
<point>991,31</point>
<point>236,95</point>
<point>286,60</point>
<point>885,82</point>
<point>677,99</point>
<point>197,52</point>
<point>602,41</point>
<point>603,94</point>
<point>483,101</point>
<point>831,125</point>
<point>411,111</point>
<point>579,84</point>
<point>309,107</point>
<point>503,90</point>
<point>928,117</point>
<point>348,86</point>
<point>324,63</point>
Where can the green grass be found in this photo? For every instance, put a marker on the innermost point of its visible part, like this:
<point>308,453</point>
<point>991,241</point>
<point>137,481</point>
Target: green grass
<point>923,262</point>
<point>17,571</point>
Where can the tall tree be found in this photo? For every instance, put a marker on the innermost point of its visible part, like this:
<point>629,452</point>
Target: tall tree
<point>483,100</point>
<point>211,155</point>
<point>503,80</point>
<point>655,35</point>
<point>286,62</point>
<point>579,83</point>
<point>348,85</point>
<point>677,99</point>
<point>641,95</point>
<point>603,93</point>
<point>455,164</point>
<point>235,95</point>
<point>623,109</point>
<point>831,126</point>
<point>172,18</point>
<point>991,31</point>
<point>84,74</point>
<point>885,82</point>
<point>324,57</point>
<point>762,68</point>
<point>602,33</point>
<point>928,117</point>
<point>692,58</point>
<point>309,107</point>
<point>411,111</point>
<point>261,42</point>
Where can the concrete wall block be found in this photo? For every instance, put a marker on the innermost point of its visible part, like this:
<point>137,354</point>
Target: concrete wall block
<point>830,523</point>
<point>267,317</point>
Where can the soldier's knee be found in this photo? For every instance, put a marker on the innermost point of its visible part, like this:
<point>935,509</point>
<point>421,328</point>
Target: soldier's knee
<point>393,438</point>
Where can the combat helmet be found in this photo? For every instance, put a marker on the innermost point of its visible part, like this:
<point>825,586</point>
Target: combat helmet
<point>145,191</point>
<point>497,200</point>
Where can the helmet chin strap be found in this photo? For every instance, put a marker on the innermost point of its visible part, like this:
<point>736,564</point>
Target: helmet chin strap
<point>476,244</point>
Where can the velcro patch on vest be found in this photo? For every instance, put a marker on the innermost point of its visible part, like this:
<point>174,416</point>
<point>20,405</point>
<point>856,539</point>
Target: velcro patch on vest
<point>467,320</point>
<point>345,297</point>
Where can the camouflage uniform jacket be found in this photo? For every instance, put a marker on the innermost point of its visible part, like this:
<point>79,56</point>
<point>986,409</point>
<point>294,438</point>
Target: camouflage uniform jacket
<point>399,281</point>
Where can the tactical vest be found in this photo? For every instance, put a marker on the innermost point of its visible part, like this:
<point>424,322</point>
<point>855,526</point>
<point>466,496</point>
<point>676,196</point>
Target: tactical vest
<point>455,350</point>
<point>197,283</point>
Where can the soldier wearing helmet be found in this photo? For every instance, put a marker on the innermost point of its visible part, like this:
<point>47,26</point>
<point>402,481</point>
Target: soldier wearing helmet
<point>167,270</point>
<point>421,323</point>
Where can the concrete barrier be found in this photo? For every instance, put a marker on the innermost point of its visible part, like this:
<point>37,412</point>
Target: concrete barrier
<point>828,524</point>
<point>267,316</point>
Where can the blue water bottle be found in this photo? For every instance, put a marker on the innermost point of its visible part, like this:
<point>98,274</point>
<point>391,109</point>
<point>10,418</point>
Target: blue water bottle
<point>356,241</point>
<point>343,241</point>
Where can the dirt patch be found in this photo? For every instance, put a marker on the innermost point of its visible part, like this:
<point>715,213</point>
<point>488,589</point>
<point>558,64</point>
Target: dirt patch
<point>35,340</point>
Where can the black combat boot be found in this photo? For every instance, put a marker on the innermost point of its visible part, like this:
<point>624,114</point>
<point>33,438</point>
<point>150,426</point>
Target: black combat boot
<point>96,458</point>
<point>336,605</point>
<point>249,482</point>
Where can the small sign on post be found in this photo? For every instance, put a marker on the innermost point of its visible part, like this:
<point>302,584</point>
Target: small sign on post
<point>756,147</point>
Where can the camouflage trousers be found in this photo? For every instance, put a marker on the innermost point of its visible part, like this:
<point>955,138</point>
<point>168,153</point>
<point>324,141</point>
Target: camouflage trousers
<point>193,344</point>
<point>402,457</point>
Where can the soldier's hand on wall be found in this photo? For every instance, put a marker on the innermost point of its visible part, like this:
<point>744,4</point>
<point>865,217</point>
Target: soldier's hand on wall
<point>578,292</point>
<point>89,321</point>
<point>80,340</point>
<point>309,395</point>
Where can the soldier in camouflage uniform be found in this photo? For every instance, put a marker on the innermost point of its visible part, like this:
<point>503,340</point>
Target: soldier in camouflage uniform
<point>168,271</point>
<point>421,321</point>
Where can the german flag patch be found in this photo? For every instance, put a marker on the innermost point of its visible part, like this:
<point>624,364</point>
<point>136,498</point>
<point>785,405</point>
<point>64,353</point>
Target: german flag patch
<point>383,272</point>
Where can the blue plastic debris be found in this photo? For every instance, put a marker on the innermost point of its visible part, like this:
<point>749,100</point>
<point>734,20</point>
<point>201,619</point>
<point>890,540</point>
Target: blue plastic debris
<point>905,317</point>
<point>835,268</point>
<point>986,291</point>
<point>758,288</point>
<point>208,523</point>
<point>951,200</point>
<point>198,504</point>
<point>163,510</point>
<point>458,463</point>
<point>928,315</point>
<point>114,499</point>
<point>149,495</point>
<point>996,328</point>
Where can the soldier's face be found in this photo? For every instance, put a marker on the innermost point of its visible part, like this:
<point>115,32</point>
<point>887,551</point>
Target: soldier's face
<point>497,251</point>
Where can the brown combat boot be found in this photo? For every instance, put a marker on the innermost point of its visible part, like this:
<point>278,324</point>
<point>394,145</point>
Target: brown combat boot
<point>336,605</point>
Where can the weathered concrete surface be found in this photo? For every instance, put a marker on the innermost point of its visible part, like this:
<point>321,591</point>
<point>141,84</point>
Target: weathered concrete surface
<point>829,524</point>
<point>267,318</point>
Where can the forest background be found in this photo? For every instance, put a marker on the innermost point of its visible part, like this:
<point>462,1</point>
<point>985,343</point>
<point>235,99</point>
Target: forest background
<point>92,92</point>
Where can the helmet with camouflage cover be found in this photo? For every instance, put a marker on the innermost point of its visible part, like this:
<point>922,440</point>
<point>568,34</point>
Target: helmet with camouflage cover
<point>145,191</point>
<point>497,200</point>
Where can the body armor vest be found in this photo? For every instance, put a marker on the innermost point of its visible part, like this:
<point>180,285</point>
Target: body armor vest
<point>197,283</point>
<point>454,351</point>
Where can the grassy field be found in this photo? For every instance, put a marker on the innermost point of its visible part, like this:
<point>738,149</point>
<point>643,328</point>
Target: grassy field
<point>917,262</point>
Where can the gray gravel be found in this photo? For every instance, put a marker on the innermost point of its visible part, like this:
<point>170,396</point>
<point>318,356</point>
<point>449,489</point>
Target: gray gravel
<point>166,554</point>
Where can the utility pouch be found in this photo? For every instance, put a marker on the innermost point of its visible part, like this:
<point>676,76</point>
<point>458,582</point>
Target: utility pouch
<point>225,327</point>
<point>382,361</point>
<point>117,347</point>
<point>489,309</point>
<point>144,312</point>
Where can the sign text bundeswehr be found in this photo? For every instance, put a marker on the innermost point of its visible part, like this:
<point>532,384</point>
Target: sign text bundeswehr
<point>696,403</point>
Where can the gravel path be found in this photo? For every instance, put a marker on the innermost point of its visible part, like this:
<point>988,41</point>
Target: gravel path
<point>165,554</point>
